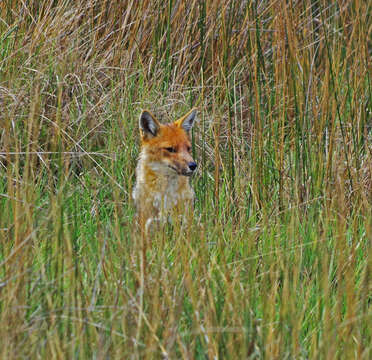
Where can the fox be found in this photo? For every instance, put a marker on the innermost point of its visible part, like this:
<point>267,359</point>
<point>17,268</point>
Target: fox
<point>162,189</point>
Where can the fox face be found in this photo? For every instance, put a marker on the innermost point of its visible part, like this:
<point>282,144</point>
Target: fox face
<point>167,148</point>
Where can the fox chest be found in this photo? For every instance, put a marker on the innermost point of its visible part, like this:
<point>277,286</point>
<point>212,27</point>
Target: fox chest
<point>163,197</point>
<point>172,198</point>
<point>171,195</point>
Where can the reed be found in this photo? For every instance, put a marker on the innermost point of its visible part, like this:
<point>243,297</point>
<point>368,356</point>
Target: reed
<point>277,261</point>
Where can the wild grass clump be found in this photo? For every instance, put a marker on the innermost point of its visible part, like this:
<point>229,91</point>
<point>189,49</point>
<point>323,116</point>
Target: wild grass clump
<point>277,262</point>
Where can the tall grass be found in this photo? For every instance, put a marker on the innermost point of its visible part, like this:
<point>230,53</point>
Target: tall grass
<point>277,262</point>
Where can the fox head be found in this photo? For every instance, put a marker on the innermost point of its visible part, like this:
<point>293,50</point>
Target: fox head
<point>167,147</point>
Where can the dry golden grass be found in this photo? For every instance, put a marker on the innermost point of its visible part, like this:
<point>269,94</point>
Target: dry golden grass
<point>277,263</point>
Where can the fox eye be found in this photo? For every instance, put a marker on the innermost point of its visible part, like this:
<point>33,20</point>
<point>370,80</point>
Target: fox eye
<point>188,148</point>
<point>171,149</point>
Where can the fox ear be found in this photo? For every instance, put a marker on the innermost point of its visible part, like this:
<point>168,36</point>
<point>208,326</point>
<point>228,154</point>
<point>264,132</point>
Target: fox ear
<point>187,121</point>
<point>148,124</point>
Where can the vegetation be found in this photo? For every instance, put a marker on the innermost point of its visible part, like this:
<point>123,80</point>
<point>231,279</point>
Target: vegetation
<point>277,262</point>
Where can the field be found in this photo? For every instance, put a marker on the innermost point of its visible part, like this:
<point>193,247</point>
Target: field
<point>277,262</point>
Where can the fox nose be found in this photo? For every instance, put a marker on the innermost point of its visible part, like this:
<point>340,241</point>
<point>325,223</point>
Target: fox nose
<point>192,165</point>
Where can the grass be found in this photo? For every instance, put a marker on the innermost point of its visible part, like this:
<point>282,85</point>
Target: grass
<point>277,262</point>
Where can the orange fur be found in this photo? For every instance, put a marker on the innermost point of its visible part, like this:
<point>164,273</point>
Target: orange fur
<point>162,175</point>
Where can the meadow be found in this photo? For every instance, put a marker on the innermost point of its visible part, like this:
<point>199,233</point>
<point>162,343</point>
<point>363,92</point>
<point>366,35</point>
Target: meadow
<point>277,262</point>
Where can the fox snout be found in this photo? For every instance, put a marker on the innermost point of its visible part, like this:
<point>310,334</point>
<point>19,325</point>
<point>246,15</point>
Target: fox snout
<point>192,166</point>
<point>190,169</point>
<point>184,162</point>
